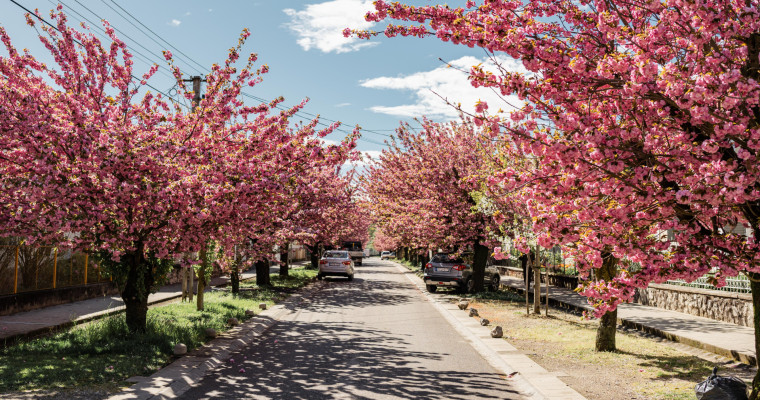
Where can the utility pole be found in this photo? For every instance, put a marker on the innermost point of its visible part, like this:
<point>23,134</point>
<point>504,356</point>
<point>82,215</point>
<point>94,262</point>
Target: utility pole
<point>188,274</point>
<point>196,80</point>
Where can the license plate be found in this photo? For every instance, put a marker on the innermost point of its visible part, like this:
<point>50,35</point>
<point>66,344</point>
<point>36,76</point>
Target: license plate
<point>442,270</point>
<point>333,264</point>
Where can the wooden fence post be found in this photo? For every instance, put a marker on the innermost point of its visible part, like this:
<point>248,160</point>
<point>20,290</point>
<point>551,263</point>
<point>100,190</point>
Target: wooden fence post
<point>55,267</point>
<point>15,278</point>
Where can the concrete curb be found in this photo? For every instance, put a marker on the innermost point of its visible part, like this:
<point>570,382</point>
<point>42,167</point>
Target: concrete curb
<point>178,377</point>
<point>530,379</point>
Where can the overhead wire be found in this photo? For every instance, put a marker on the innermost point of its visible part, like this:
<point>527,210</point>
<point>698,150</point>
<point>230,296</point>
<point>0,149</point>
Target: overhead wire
<point>204,69</point>
<point>145,58</point>
<point>149,60</point>
<point>80,43</point>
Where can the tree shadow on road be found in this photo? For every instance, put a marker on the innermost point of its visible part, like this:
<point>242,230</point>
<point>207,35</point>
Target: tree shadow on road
<point>341,360</point>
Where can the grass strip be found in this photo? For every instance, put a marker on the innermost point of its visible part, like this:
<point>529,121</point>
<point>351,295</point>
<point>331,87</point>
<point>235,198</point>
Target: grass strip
<point>102,354</point>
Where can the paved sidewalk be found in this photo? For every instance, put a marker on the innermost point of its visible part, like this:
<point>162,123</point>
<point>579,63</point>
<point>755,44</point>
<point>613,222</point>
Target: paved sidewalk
<point>46,319</point>
<point>728,340</point>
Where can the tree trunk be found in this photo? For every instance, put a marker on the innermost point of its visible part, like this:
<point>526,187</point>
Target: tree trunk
<point>424,259</point>
<point>235,278</point>
<point>526,279</point>
<point>203,257</point>
<point>479,261</point>
<point>314,255</point>
<point>262,273</point>
<point>284,261</point>
<point>605,334</point>
<point>536,287</point>
<point>137,285</point>
<point>754,284</point>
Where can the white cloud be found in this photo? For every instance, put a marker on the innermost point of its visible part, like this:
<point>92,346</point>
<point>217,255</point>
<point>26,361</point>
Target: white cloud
<point>187,13</point>
<point>210,9</point>
<point>175,23</point>
<point>432,87</point>
<point>343,105</point>
<point>321,25</point>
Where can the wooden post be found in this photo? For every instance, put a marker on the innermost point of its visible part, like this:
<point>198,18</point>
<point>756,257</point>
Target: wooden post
<point>86,257</point>
<point>15,279</point>
<point>547,293</point>
<point>55,267</point>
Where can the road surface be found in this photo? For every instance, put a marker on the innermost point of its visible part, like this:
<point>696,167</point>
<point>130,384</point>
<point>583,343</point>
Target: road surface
<point>377,337</point>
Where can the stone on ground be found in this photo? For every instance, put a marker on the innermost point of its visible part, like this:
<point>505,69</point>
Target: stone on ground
<point>496,332</point>
<point>473,312</point>
<point>463,305</point>
<point>180,349</point>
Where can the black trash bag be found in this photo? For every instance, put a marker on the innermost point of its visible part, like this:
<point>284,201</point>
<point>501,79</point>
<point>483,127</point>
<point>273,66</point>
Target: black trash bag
<point>721,388</point>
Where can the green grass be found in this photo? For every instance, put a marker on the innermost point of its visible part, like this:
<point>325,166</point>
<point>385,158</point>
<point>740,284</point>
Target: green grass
<point>102,354</point>
<point>410,266</point>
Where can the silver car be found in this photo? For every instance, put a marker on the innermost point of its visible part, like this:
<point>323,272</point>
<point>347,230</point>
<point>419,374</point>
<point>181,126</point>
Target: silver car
<point>336,263</point>
<point>445,270</point>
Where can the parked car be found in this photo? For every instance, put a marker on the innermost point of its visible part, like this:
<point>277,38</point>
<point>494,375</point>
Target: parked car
<point>387,255</point>
<point>445,270</point>
<point>336,263</point>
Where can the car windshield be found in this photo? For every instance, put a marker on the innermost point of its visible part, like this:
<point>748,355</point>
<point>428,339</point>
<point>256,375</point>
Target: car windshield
<point>336,254</point>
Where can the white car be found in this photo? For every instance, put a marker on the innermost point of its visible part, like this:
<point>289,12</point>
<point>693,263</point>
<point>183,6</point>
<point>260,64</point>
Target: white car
<point>336,263</point>
<point>387,255</point>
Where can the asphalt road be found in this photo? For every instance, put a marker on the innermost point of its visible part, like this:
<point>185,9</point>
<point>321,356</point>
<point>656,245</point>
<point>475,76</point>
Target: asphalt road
<point>374,338</point>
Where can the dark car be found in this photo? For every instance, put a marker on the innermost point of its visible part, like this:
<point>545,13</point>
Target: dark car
<point>445,270</point>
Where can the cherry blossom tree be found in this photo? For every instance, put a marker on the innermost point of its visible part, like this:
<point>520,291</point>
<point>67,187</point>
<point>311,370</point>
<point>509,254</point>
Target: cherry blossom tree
<point>384,242</point>
<point>426,190</point>
<point>91,159</point>
<point>653,105</point>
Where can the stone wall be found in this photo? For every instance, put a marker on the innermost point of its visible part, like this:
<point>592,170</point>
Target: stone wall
<point>735,308</point>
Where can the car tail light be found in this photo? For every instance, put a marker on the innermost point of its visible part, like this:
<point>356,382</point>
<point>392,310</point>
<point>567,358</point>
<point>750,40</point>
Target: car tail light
<point>459,267</point>
<point>322,262</point>
<point>346,262</point>
<point>428,265</point>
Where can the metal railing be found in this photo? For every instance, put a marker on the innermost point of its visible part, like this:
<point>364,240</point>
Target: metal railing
<point>29,268</point>
<point>737,284</point>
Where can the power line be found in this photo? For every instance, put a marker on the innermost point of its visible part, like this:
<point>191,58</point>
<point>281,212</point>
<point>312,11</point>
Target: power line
<point>149,60</point>
<point>151,31</point>
<point>82,18</point>
<point>80,43</point>
<point>206,70</point>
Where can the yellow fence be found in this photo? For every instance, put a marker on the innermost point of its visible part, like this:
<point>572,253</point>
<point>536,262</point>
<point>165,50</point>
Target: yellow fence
<point>28,268</point>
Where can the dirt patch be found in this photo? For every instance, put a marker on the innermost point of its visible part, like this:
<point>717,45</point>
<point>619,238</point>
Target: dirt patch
<point>642,368</point>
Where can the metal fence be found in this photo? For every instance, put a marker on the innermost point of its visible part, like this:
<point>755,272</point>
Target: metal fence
<point>29,268</point>
<point>738,284</point>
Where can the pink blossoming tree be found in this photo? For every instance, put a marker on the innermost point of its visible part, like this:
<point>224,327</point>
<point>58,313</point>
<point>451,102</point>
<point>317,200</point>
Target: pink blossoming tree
<point>652,104</point>
<point>92,160</point>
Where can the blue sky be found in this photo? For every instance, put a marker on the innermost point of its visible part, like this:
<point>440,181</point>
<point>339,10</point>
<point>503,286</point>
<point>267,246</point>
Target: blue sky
<point>375,84</point>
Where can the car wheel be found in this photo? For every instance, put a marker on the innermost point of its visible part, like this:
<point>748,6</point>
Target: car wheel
<point>319,277</point>
<point>431,288</point>
<point>350,278</point>
<point>495,283</point>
